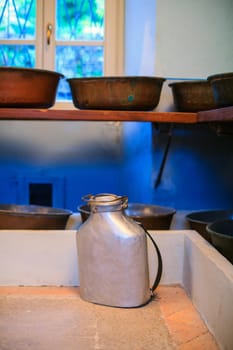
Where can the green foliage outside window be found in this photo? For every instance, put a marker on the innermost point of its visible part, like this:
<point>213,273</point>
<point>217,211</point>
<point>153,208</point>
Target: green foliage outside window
<point>80,20</point>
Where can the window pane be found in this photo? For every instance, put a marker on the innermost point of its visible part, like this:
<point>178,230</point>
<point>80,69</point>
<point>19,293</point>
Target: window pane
<point>17,55</point>
<point>17,19</point>
<point>77,61</point>
<point>80,19</point>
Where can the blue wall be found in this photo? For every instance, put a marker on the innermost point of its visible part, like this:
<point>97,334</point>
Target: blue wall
<point>123,166</point>
<point>197,174</point>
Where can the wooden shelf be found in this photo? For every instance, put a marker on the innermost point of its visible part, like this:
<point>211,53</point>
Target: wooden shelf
<point>217,115</point>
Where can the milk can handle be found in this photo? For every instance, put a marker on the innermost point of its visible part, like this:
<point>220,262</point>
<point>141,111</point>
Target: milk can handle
<point>160,262</point>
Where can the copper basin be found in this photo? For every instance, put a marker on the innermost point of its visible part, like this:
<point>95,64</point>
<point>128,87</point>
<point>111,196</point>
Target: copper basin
<point>200,219</point>
<point>116,93</point>
<point>32,217</point>
<point>223,91</point>
<point>152,217</point>
<point>193,96</point>
<point>221,233</point>
<point>28,87</point>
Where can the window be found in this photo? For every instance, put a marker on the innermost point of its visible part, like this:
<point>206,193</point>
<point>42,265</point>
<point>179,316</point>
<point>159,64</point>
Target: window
<point>78,38</point>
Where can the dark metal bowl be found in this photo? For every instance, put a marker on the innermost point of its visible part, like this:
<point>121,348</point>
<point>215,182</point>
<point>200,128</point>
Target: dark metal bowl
<point>223,91</point>
<point>221,233</point>
<point>199,220</point>
<point>152,217</point>
<point>32,217</point>
<point>28,87</point>
<point>193,96</point>
<point>116,93</point>
<point>220,75</point>
<point>222,85</point>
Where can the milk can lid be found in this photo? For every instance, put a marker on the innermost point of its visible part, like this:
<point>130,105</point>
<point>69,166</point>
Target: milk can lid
<point>106,200</point>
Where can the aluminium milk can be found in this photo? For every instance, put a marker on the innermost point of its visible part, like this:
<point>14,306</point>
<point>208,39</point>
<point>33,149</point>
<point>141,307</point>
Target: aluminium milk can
<point>112,255</point>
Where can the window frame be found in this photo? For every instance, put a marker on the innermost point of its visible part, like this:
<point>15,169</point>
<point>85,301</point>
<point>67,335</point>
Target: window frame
<point>113,41</point>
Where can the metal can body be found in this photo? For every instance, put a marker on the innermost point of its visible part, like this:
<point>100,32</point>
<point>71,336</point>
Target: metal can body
<point>113,261</point>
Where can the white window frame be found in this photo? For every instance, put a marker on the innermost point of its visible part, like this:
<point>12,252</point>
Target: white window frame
<point>113,43</point>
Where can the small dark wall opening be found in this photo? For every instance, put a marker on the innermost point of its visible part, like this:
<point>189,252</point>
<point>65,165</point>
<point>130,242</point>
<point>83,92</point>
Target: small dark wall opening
<point>41,194</point>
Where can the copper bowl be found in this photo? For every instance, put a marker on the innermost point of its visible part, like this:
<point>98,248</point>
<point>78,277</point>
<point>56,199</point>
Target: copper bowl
<point>223,91</point>
<point>28,87</point>
<point>222,85</point>
<point>220,75</point>
<point>221,233</point>
<point>199,220</point>
<point>32,217</point>
<point>152,217</point>
<point>116,93</point>
<point>193,96</point>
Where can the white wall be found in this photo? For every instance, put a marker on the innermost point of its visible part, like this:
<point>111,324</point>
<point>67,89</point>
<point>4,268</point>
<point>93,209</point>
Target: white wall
<point>140,37</point>
<point>50,142</point>
<point>193,38</point>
